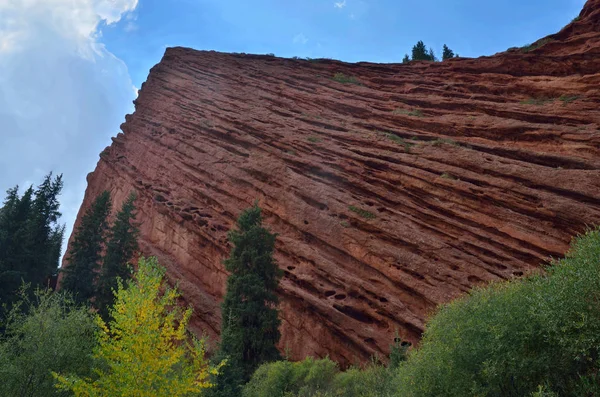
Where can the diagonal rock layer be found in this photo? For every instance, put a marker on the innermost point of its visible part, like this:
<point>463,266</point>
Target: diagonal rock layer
<point>393,188</point>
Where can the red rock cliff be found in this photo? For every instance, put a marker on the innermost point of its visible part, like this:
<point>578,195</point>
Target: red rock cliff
<point>389,196</point>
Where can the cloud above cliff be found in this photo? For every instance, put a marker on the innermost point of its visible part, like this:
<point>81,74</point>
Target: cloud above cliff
<point>62,93</point>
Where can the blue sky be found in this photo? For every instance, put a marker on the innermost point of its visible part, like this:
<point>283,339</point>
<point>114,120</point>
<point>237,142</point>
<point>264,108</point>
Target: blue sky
<point>69,68</point>
<point>350,30</point>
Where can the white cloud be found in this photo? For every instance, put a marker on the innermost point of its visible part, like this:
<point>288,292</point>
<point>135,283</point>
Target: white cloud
<point>340,4</point>
<point>62,93</point>
<point>300,39</point>
<point>130,27</point>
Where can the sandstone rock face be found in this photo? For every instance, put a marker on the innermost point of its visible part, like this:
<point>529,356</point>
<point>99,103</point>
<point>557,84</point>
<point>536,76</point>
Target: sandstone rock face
<point>391,194</point>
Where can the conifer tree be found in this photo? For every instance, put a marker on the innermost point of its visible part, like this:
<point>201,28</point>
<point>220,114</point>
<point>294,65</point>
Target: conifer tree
<point>419,52</point>
<point>406,59</point>
<point>120,248</point>
<point>85,252</point>
<point>44,235</point>
<point>432,56</point>
<point>30,237</point>
<point>250,325</point>
<point>447,53</point>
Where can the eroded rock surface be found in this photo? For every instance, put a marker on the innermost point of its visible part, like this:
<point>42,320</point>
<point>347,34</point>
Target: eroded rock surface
<point>389,196</point>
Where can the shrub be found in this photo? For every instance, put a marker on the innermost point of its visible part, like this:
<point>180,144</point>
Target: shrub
<point>540,334</point>
<point>400,141</point>
<point>374,380</point>
<point>446,175</point>
<point>54,335</point>
<point>568,99</point>
<point>320,378</point>
<point>361,212</point>
<point>416,112</point>
<point>342,78</point>
<point>442,141</point>
<point>284,378</point>
<point>530,47</point>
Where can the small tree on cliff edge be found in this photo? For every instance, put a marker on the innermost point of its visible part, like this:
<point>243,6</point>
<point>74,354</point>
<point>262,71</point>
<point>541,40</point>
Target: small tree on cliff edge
<point>86,250</point>
<point>250,326</point>
<point>447,53</point>
<point>121,246</point>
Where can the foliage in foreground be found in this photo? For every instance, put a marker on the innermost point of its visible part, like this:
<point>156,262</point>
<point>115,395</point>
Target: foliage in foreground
<point>516,338</point>
<point>320,378</point>
<point>54,335</point>
<point>144,350</point>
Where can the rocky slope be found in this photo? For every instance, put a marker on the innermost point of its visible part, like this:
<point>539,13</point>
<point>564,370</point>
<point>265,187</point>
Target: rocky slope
<point>391,193</point>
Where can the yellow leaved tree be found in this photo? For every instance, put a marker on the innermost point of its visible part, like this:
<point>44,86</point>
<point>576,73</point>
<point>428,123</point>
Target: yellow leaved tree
<point>144,350</point>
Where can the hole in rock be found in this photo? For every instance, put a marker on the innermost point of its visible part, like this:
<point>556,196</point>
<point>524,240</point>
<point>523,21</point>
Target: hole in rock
<point>518,274</point>
<point>291,267</point>
<point>340,296</point>
<point>383,300</point>
<point>329,293</point>
<point>370,341</point>
<point>306,222</point>
<point>474,279</point>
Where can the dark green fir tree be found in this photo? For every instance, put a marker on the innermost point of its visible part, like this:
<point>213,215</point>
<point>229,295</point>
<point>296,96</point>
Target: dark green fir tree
<point>250,323</point>
<point>420,52</point>
<point>122,245</point>
<point>447,53</point>
<point>30,237</point>
<point>85,252</point>
<point>432,56</point>
<point>45,236</point>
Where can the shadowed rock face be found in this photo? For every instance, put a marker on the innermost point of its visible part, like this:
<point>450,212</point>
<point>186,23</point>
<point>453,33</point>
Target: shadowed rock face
<point>390,195</point>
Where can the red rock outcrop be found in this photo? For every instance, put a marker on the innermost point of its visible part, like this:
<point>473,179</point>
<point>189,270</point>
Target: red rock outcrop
<point>391,193</point>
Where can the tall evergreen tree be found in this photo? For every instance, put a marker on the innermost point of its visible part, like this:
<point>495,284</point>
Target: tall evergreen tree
<point>250,326</point>
<point>30,237</point>
<point>45,236</point>
<point>406,59</point>
<point>447,53</point>
<point>13,220</point>
<point>120,248</point>
<point>85,254</point>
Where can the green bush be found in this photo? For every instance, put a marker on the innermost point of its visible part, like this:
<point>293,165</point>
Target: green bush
<point>342,78</point>
<point>540,334</point>
<point>363,213</point>
<point>374,380</point>
<point>322,378</point>
<point>55,335</point>
<point>285,378</point>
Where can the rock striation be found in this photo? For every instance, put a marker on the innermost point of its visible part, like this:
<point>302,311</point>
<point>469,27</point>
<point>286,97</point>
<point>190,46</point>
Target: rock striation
<point>393,187</point>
